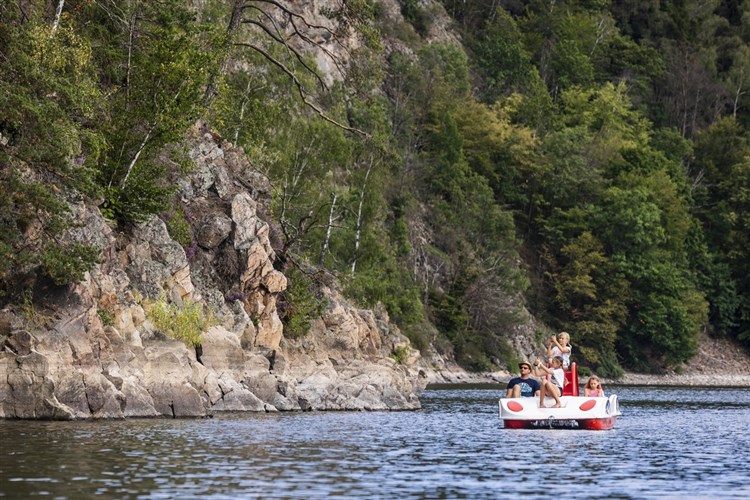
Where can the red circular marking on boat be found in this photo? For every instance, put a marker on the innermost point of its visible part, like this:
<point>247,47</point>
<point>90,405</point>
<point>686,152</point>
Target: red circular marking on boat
<point>514,406</point>
<point>587,405</point>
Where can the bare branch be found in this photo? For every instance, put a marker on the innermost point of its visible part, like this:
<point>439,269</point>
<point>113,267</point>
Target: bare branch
<point>312,42</point>
<point>290,49</point>
<point>109,10</point>
<point>294,19</point>
<point>294,15</point>
<point>301,89</point>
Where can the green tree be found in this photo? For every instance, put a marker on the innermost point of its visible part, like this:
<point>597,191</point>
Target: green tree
<point>475,237</point>
<point>49,146</point>
<point>736,213</point>
<point>501,57</point>
<point>645,223</point>
<point>737,78</point>
<point>591,296</point>
<point>165,66</point>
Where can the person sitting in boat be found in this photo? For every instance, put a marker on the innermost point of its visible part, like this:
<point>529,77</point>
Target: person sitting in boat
<point>560,346</point>
<point>593,388</point>
<point>553,385</point>
<point>523,386</point>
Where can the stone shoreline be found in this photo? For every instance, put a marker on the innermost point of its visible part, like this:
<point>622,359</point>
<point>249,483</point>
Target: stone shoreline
<point>458,376</point>
<point>682,380</point>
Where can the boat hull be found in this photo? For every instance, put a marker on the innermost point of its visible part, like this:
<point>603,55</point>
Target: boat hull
<point>574,413</point>
<point>591,424</point>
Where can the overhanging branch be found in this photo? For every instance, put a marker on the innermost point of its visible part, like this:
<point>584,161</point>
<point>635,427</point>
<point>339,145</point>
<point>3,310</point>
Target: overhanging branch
<point>301,89</point>
<point>289,48</point>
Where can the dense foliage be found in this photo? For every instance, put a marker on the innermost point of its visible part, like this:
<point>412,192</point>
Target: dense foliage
<point>585,159</point>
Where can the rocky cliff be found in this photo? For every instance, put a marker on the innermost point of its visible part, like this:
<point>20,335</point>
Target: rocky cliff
<point>92,351</point>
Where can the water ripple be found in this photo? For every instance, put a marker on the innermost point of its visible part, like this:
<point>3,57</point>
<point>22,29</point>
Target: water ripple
<point>670,443</point>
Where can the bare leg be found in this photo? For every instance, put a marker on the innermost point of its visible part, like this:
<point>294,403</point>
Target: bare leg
<point>548,388</point>
<point>555,394</point>
<point>516,391</point>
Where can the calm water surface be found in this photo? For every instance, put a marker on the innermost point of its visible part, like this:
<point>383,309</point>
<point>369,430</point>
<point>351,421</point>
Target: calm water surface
<point>669,443</point>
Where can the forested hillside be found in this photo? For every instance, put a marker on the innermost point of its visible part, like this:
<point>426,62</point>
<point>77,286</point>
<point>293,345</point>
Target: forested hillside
<point>587,160</point>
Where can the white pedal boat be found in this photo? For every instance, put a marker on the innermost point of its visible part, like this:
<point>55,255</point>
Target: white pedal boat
<point>575,412</point>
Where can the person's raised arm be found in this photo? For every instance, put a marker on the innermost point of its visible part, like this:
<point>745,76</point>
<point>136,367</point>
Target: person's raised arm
<point>539,369</point>
<point>563,348</point>
<point>552,342</point>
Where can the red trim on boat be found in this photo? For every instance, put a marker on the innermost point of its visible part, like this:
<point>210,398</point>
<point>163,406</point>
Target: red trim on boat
<point>597,424</point>
<point>587,405</point>
<point>515,406</point>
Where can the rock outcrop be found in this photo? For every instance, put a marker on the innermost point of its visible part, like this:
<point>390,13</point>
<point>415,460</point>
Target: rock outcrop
<point>90,351</point>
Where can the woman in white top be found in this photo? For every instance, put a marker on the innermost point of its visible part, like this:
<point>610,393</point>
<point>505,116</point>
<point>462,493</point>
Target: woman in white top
<point>560,346</point>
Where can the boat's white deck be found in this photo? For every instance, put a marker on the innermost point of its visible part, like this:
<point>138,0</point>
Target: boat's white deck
<point>571,407</point>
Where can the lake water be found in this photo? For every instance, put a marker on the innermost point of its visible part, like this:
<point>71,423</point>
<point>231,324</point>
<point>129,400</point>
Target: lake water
<point>669,443</point>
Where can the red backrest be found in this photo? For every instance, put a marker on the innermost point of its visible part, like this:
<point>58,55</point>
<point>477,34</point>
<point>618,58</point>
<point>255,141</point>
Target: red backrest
<point>571,385</point>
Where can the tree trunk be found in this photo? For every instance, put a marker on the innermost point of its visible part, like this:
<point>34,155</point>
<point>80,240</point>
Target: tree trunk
<point>359,218</point>
<point>135,158</point>
<point>329,225</point>
<point>234,22</point>
<point>58,13</point>
<point>131,36</point>
<point>242,114</point>
<point>737,95</point>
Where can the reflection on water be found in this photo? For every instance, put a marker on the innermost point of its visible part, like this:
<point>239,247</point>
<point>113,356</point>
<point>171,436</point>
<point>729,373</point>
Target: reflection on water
<point>669,442</point>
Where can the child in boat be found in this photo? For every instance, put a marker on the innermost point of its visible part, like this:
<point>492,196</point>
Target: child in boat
<point>553,386</point>
<point>593,388</point>
<point>560,346</point>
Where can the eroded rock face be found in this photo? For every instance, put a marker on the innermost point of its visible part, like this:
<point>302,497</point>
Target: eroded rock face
<point>214,230</point>
<point>94,353</point>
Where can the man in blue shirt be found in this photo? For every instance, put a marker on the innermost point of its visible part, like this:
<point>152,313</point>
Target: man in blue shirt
<point>523,386</point>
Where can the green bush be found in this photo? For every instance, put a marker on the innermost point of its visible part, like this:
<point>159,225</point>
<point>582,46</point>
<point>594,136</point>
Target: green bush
<point>475,360</point>
<point>418,336</point>
<point>68,264</point>
<point>609,367</point>
<point>106,317</point>
<point>390,285</point>
<point>400,354</point>
<point>185,323</point>
<point>48,146</point>
<point>416,15</point>
<point>299,304</point>
<point>178,227</point>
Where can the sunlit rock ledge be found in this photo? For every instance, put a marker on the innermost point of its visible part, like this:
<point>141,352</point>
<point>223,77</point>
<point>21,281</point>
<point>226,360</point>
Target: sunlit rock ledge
<point>89,351</point>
